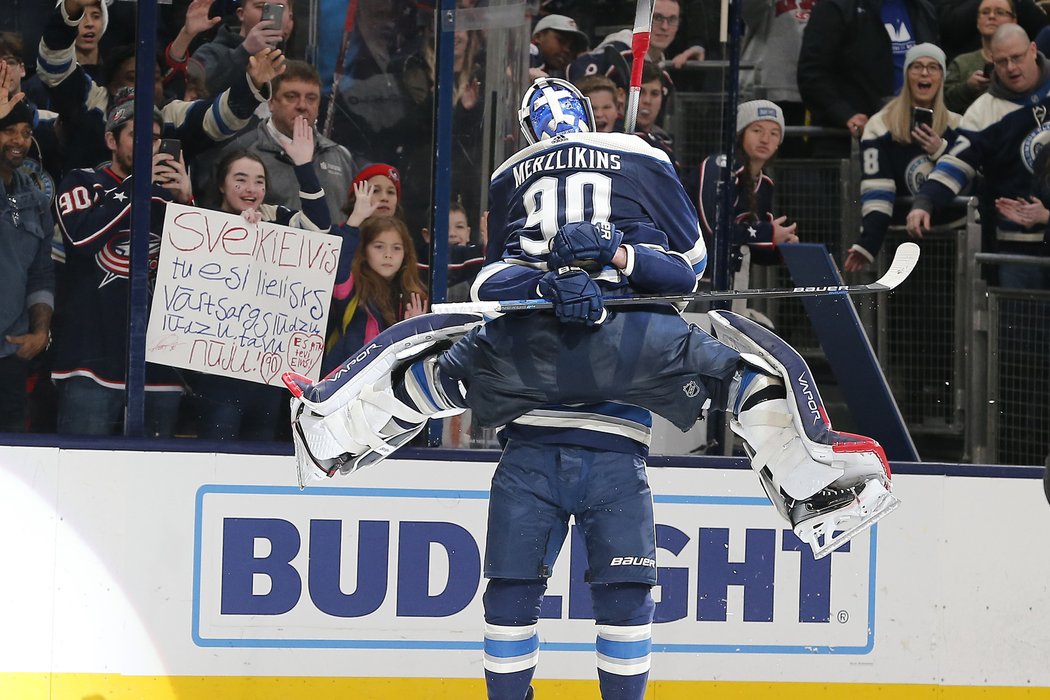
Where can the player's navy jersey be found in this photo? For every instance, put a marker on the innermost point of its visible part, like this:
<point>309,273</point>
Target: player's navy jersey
<point>1001,137</point>
<point>590,177</point>
<point>93,212</point>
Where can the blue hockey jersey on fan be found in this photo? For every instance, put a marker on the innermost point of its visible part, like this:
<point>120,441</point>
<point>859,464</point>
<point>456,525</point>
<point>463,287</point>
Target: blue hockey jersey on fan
<point>1001,134</point>
<point>756,233</point>
<point>590,177</point>
<point>890,169</point>
<point>79,100</point>
<point>93,211</point>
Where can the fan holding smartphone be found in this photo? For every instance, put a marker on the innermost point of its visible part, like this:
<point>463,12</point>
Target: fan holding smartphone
<point>899,147</point>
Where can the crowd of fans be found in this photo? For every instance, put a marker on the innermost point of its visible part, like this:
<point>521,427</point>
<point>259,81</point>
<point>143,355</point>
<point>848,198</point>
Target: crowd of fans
<point>344,146</point>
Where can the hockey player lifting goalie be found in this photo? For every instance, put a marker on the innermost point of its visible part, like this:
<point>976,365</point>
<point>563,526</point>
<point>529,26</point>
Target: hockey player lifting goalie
<point>574,217</point>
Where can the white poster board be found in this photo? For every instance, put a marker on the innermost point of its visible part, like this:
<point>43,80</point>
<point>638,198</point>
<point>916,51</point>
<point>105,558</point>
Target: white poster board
<point>240,300</point>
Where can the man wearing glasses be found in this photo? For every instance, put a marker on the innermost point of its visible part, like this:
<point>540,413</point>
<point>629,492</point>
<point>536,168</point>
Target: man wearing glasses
<point>959,32</point>
<point>1001,135</point>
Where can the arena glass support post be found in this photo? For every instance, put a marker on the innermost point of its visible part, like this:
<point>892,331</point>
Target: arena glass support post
<point>730,32</point>
<point>142,162</point>
<point>976,347</point>
<point>849,353</point>
<point>441,175</point>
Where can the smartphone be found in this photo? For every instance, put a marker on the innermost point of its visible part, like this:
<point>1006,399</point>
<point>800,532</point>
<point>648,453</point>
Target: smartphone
<point>172,147</point>
<point>921,115</point>
<point>273,12</point>
<point>988,68</point>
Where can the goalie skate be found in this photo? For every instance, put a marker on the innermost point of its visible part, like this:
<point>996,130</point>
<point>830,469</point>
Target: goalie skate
<point>351,418</point>
<point>831,486</point>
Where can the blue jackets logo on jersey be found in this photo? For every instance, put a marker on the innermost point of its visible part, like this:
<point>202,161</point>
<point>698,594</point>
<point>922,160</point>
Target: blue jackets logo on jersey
<point>1032,144</point>
<point>917,171</point>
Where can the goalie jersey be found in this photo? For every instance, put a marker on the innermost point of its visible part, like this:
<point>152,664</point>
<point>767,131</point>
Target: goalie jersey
<point>590,177</point>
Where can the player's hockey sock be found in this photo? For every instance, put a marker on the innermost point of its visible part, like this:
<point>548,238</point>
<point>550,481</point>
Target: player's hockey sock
<point>623,660</point>
<point>426,388</point>
<point>511,653</point>
<point>512,646</point>
<point>624,613</point>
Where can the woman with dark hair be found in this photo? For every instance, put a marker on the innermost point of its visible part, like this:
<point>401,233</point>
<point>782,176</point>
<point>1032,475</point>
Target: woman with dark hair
<point>383,288</point>
<point>755,232</point>
<point>236,409</point>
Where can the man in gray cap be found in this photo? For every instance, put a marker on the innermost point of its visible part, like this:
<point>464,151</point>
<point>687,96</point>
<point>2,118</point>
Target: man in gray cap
<point>556,41</point>
<point>27,278</point>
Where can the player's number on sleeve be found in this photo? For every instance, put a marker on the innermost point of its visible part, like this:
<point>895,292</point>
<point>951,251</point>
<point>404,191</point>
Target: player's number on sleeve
<point>74,200</point>
<point>545,210</point>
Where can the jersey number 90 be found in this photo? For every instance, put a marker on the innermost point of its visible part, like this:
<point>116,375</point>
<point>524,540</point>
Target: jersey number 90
<point>582,190</point>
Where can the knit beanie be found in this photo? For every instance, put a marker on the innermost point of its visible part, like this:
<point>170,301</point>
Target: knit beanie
<point>19,113</point>
<point>748,113</point>
<point>926,50</point>
<point>379,169</point>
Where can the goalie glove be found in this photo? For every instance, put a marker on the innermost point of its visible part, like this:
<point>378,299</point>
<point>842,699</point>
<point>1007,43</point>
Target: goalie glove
<point>583,244</point>
<point>576,297</point>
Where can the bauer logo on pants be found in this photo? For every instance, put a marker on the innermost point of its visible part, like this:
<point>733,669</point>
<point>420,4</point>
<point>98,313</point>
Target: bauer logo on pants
<point>401,568</point>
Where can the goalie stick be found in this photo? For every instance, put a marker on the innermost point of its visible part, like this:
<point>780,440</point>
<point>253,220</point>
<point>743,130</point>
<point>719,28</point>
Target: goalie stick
<point>904,261</point>
<point>337,72</point>
<point>643,23</point>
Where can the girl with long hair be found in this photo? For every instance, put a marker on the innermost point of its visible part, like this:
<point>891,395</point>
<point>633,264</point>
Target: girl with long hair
<point>898,150</point>
<point>384,287</point>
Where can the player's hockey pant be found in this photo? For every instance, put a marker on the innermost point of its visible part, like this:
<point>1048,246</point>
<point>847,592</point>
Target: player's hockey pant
<point>648,357</point>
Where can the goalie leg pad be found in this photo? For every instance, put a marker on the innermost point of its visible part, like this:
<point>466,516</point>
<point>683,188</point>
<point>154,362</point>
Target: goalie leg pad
<point>359,414</point>
<point>830,485</point>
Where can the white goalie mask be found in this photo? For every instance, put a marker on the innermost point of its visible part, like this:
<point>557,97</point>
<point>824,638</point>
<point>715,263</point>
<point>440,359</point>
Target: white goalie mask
<point>552,106</point>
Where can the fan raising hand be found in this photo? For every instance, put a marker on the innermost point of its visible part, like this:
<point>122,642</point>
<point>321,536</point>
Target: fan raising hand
<point>300,148</point>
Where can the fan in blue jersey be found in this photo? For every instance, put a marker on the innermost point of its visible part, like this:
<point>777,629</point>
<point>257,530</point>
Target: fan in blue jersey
<point>576,216</point>
<point>898,152</point>
<point>1000,135</point>
<point>93,214</point>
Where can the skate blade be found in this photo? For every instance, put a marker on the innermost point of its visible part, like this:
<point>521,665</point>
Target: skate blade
<point>307,470</point>
<point>874,503</point>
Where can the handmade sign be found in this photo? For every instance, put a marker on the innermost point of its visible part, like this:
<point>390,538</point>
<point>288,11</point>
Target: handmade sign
<point>242,300</point>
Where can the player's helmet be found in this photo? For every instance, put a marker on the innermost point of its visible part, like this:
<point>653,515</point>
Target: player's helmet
<point>552,106</point>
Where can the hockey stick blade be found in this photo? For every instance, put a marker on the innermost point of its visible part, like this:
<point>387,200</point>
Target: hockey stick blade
<point>904,261</point>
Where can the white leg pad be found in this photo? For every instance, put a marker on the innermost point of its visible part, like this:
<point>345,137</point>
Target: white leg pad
<point>831,486</point>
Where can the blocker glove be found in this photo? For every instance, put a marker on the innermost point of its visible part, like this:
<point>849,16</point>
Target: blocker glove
<point>583,242</point>
<point>576,297</point>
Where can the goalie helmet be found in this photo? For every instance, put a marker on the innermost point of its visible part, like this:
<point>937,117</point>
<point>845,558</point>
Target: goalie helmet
<point>552,106</point>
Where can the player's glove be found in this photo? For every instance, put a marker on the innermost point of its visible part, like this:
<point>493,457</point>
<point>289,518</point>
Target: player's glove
<point>576,297</point>
<point>583,242</point>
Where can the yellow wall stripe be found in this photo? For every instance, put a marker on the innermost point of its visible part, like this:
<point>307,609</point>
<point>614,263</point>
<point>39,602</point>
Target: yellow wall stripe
<point>84,686</point>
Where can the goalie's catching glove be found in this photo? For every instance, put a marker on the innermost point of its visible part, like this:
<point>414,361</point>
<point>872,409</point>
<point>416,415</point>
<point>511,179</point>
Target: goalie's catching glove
<point>583,244</point>
<point>576,297</point>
